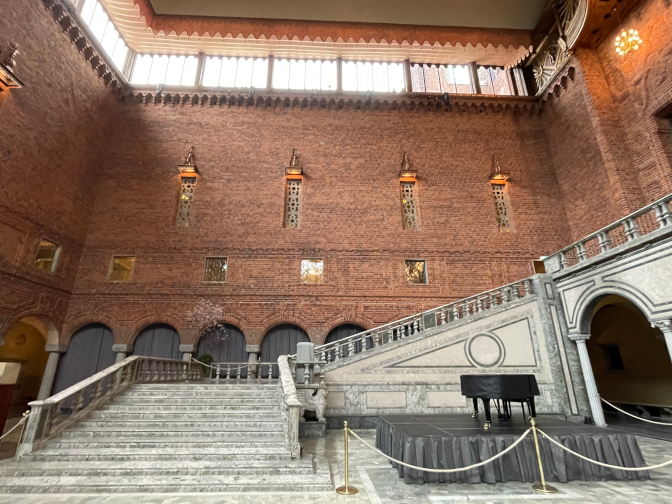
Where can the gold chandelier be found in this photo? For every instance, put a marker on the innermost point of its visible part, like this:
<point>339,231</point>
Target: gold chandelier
<point>627,41</point>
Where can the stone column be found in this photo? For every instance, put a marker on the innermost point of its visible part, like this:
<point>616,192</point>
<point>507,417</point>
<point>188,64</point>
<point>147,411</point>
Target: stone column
<point>50,370</point>
<point>253,351</point>
<point>666,327</point>
<point>187,351</point>
<point>589,378</point>
<point>122,350</point>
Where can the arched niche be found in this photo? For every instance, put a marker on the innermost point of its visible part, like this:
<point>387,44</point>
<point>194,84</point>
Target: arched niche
<point>89,351</point>
<point>281,340</point>
<point>224,343</point>
<point>158,340</point>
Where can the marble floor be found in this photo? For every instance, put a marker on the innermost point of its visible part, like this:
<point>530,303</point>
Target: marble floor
<point>378,484</point>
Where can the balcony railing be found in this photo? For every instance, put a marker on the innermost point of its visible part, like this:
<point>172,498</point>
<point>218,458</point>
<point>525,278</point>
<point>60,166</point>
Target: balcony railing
<point>443,315</point>
<point>629,229</point>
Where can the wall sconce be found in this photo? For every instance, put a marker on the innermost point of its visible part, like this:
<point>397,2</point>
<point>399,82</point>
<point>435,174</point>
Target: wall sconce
<point>8,80</point>
<point>498,176</point>
<point>406,172</point>
<point>294,170</point>
<point>189,166</point>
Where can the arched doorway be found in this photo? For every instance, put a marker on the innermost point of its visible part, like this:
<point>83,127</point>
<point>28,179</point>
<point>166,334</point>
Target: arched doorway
<point>158,340</point>
<point>343,331</point>
<point>629,358</point>
<point>89,351</point>
<point>281,340</point>
<point>224,343</point>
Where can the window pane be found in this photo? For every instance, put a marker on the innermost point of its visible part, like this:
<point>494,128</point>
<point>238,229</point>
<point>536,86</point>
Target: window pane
<point>364,76</point>
<point>87,11</point>
<point>211,71</point>
<point>189,72</point>
<point>397,78</point>
<point>121,269</point>
<point>417,79</point>
<point>312,271</point>
<point>416,272</point>
<point>281,74</point>
<point>500,82</point>
<point>228,76</point>
<point>174,73</point>
<point>158,72</point>
<point>485,81</point>
<point>119,55</point>
<point>215,269</point>
<point>313,74</point>
<point>432,84</point>
<point>110,38</point>
<point>297,74</point>
<point>260,73</point>
<point>447,77</point>
<point>329,76</point>
<point>46,256</point>
<point>99,22</point>
<point>380,77</point>
<point>244,72</point>
<point>349,76</point>
<point>462,79</point>
<point>141,68</point>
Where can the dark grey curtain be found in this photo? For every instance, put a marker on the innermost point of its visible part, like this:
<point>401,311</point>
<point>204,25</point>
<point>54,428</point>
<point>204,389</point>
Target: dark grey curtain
<point>89,351</point>
<point>225,344</point>
<point>281,340</point>
<point>343,331</point>
<point>158,340</point>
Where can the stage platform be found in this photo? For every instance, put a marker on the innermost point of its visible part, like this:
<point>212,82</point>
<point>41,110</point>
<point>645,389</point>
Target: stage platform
<point>450,441</point>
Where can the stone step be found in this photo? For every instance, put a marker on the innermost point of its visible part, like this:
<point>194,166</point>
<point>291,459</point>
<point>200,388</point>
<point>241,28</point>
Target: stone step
<point>149,424</point>
<point>212,408</point>
<point>221,483</point>
<point>238,435</point>
<point>166,443</point>
<point>200,394</point>
<point>241,456</point>
<point>218,389</point>
<point>159,400</point>
<point>185,415</point>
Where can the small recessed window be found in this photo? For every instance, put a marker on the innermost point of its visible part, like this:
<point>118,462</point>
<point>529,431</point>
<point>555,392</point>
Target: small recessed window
<point>121,268</point>
<point>215,269</point>
<point>612,354</point>
<point>416,271</point>
<point>47,256</point>
<point>312,271</point>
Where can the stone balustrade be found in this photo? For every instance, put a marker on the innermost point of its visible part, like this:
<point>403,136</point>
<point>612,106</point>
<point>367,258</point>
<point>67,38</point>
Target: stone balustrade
<point>415,324</point>
<point>653,219</point>
<point>240,372</point>
<point>290,405</point>
<point>48,418</point>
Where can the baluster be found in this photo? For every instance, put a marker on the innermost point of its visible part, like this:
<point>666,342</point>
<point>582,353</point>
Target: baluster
<point>581,252</point>
<point>238,375</point>
<point>456,312</point>
<point>270,371</point>
<point>631,229</point>
<point>443,315</point>
<point>515,292</point>
<point>49,420</point>
<point>377,339</point>
<point>492,300</point>
<point>604,241</point>
<point>399,329</point>
<point>324,356</point>
<point>564,262</point>
<point>527,286</point>
<point>96,390</point>
<point>228,372</point>
<point>663,215</point>
<point>77,401</point>
<point>465,309</point>
<point>418,326</point>
<point>351,347</point>
<point>504,294</point>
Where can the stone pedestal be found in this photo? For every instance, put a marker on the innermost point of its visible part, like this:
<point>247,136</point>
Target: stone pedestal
<point>187,351</point>
<point>313,429</point>
<point>50,370</point>
<point>122,350</point>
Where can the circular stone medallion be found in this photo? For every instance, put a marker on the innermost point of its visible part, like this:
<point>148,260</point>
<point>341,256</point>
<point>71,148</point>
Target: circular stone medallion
<point>485,350</point>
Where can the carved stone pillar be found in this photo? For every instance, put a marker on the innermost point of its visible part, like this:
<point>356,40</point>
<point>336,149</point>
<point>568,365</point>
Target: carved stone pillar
<point>122,350</point>
<point>589,378</point>
<point>666,327</point>
<point>50,370</point>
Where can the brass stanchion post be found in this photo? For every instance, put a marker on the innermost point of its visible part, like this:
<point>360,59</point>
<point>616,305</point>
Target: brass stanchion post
<point>543,487</point>
<point>346,490</point>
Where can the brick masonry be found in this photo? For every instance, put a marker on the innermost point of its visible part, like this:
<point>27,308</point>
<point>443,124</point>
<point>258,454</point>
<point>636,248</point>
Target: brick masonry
<point>100,177</point>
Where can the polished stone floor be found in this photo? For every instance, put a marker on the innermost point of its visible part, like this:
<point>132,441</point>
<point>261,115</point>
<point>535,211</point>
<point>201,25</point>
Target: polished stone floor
<point>378,484</point>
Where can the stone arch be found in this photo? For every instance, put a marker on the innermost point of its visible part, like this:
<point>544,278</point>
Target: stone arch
<point>141,323</point>
<point>581,316</point>
<point>341,319</point>
<point>40,321</point>
<point>283,318</point>
<point>281,339</point>
<point>227,318</point>
<point>231,349</point>
<point>75,324</point>
<point>158,340</point>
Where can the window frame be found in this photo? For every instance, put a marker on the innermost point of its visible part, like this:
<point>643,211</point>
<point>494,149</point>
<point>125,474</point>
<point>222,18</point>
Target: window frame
<point>424,261</point>
<point>111,268</point>
<point>205,268</point>
<point>54,260</point>
<point>301,266</point>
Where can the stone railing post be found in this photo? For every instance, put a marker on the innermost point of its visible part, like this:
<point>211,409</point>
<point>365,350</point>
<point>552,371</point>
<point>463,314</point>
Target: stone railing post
<point>122,350</point>
<point>50,370</point>
<point>187,351</point>
<point>34,427</point>
<point>666,327</point>
<point>581,252</point>
<point>589,378</point>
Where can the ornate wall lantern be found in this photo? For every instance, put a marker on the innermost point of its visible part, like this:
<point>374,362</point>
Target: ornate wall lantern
<point>407,173</point>
<point>9,80</point>
<point>498,176</point>
<point>295,169</point>
<point>189,166</point>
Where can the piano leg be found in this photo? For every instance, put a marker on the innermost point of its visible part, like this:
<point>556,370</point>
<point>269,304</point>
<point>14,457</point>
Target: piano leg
<point>475,413</point>
<point>486,407</point>
<point>530,404</point>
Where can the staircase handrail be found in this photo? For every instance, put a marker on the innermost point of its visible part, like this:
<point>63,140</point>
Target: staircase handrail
<point>98,389</point>
<point>414,324</point>
<point>289,405</point>
<point>626,228</point>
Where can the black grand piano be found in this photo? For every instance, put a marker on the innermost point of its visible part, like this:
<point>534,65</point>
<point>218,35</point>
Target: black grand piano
<point>507,388</point>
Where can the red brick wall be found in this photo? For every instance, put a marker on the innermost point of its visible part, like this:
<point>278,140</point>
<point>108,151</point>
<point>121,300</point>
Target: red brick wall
<point>53,142</point>
<point>351,214</point>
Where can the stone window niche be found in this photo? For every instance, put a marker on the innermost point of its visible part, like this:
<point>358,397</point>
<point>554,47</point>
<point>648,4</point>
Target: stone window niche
<point>46,258</point>
<point>312,271</point>
<point>501,197</point>
<point>187,185</point>
<point>409,214</point>
<point>215,269</point>
<point>416,271</point>
<point>293,203</point>
<point>121,269</point>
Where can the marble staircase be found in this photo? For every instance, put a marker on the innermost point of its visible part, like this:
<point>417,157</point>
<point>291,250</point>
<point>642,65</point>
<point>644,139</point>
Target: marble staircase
<point>178,437</point>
